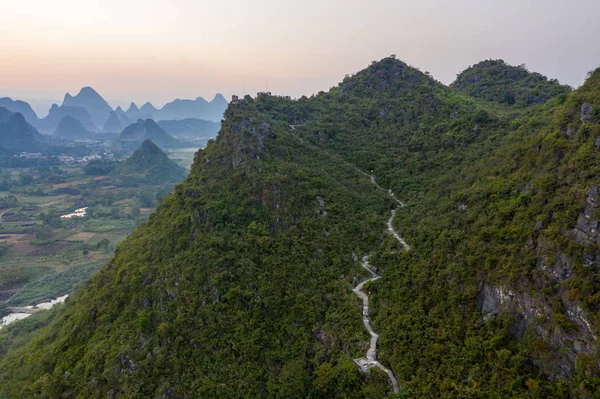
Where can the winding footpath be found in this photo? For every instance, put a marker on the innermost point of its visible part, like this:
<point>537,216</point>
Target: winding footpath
<point>370,359</point>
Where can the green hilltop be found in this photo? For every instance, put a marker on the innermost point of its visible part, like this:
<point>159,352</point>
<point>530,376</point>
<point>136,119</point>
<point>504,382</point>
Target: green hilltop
<point>149,165</point>
<point>240,284</point>
<point>495,80</point>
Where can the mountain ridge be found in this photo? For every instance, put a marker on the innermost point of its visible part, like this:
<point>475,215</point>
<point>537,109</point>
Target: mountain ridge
<point>240,284</point>
<point>179,109</point>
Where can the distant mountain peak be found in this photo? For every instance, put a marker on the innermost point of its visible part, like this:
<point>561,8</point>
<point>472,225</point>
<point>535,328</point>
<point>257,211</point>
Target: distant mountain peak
<point>150,164</point>
<point>93,102</point>
<point>180,109</point>
<point>147,129</point>
<point>87,89</point>
<point>219,98</point>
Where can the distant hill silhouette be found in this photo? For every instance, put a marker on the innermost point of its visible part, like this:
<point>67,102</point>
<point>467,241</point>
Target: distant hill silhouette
<point>5,115</point>
<point>182,109</point>
<point>18,135</point>
<point>21,107</point>
<point>148,111</point>
<point>150,165</point>
<point>50,122</point>
<point>133,112</point>
<point>93,102</point>
<point>190,128</point>
<point>123,118</point>
<point>113,124</point>
<point>147,130</point>
<point>71,128</point>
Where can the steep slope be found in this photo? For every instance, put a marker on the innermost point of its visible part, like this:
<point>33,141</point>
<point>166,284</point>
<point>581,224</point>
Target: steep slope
<point>251,258</point>
<point>495,80</point>
<point>241,283</point>
<point>71,128</point>
<point>147,129</point>
<point>21,107</point>
<point>190,128</point>
<point>150,165</point>
<point>93,102</point>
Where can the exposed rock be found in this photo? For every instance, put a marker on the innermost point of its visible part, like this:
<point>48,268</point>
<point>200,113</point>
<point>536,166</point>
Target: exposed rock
<point>597,143</point>
<point>462,206</point>
<point>322,212</point>
<point>570,132</point>
<point>586,230</point>
<point>490,300</point>
<point>530,311</point>
<point>553,262</point>
<point>586,112</point>
<point>591,260</point>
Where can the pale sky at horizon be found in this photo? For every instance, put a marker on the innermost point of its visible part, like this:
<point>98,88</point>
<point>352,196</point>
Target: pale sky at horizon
<point>160,50</point>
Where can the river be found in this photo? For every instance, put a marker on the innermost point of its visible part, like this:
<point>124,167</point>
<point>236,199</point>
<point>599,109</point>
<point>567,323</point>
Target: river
<point>6,320</point>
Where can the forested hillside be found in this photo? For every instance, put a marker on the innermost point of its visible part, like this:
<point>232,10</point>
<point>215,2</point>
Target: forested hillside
<point>240,284</point>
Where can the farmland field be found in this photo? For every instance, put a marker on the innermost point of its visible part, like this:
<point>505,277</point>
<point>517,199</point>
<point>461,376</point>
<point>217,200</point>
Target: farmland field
<point>43,256</point>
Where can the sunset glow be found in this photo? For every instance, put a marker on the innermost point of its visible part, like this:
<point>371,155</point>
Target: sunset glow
<point>159,50</point>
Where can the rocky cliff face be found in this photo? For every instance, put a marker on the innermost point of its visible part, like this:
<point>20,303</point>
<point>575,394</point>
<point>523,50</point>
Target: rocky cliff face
<point>587,229</point>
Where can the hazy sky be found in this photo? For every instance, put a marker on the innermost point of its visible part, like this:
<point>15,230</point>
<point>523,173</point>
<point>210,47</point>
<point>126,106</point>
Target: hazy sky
<point>158,50</point>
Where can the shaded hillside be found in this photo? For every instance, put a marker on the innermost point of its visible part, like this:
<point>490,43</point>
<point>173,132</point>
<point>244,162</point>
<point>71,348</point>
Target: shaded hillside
<point>149,165</point>
<point>239,285</point>
<point>147,129</point>
<point>17,135</point>
<point>495,80</point>
<point>71,128</point>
